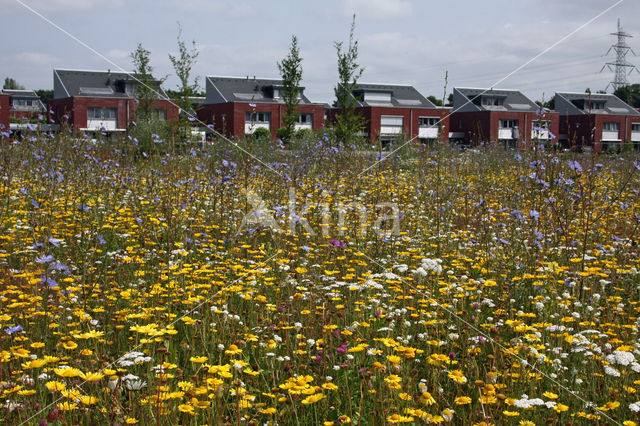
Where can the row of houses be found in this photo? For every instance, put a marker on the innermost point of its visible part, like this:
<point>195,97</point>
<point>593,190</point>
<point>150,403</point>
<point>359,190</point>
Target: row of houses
<point>236,107</point>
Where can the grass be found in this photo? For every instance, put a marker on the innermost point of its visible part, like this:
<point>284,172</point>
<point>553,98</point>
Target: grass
<point>131,290</point>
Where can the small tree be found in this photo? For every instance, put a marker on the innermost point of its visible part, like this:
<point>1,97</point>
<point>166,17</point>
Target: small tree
<point>146,87</point>
<point>291,74</point>
<point>11,84</point>
<point>182,65</point>
<point>347,123</point>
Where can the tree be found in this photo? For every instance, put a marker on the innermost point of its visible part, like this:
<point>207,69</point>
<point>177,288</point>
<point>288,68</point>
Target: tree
<point>11,84</point>
<point>45,95</point>
<point>630,94</point>
<point>146,87</point>
<point>291,75</point>
<point>182,65</point>
<point>434,100</point>
<point>348,124</point>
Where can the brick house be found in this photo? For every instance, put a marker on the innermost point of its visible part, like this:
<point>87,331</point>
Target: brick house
<point>504,116</point>
<point>4,112</point>
<point>392,110</point>
<point>238,106</point>
<point>24,105</point>
<point>101,100</point>
<point>598,120</point>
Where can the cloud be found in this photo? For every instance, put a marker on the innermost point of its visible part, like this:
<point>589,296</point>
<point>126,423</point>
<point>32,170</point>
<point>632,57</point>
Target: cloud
<point>378,9</point>
<point>229,8</point>
<point>58,5</point>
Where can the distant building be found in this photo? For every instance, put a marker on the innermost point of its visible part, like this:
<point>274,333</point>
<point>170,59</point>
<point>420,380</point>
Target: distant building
<point>24,105</point>
<point>504,116</point>
<point>101,100</point>
<point>392,110</point>
<point>597,120</point>
<point>238,106</point>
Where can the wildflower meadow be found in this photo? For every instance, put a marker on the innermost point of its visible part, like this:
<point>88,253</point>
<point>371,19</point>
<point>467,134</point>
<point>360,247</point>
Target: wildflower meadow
<point>316,284</point>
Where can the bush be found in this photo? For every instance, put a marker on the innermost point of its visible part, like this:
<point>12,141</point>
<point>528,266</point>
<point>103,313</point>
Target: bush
<point>261,134</point>
<point>304,134</point>
<point>283,134</point>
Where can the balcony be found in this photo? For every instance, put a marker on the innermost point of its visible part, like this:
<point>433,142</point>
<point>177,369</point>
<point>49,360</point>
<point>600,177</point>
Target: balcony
<point>249,128</point>
<point>102,124</point>
<point>610,135</point>
<point>505,133</point>
<point>428,132</point>
<point>540,134</point>
<point>635,136</point>
<point>300,126</point>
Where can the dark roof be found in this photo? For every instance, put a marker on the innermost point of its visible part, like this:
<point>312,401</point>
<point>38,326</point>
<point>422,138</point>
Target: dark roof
<point>402,96</point>
<point>510,100</point>
<point>585,103</point>
<point>246,89</point>
<point>96,84</point>
<point>20,93</point>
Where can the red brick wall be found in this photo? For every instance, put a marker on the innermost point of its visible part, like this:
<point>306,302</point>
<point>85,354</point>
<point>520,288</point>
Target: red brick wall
<point>228,118</point>
<point>4,111</point>
<point>586,129</point>
<point>410,116</point>
<point>482,126</point>
<point>76,109</point>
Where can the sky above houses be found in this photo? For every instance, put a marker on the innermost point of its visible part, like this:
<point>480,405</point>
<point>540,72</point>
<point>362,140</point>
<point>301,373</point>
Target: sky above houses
<point>479,44</point>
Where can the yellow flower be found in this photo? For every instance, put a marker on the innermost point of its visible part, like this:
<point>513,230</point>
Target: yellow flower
<point>560,408</point>
<point>394,359</point>
<point>93,377</point>
<point>313,398</point>
<point>88,400</point>
<point>69,345</point>
<point>457,376</point>
<point>550,395</point>
<point>427,399</point>
<point>186,408</point>
<point>233,350</point>
<point>67,372</point>
<point>329,386</point>
<point>397,418</point>
<point>462,400</point>
<point>54,386</point>
<point>67,406</point>
<point>198,359</point>
<point>609,406</point>
<point>131,421</point>
<point>511,413</point>
<point>268,411</point>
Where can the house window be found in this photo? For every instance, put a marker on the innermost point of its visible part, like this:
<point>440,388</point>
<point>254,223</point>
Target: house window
<point>305,119</point>
<point>23,103</point>
<point>159,114</point>
<point>97,113</point>
<point>257,117</point>
<point>611,127</point>
<point>492,101</point>
<point>540,125</point>
<point>635,127</point>
<point>507,124</point>
<point>428,121</point>
<point>393,123</point>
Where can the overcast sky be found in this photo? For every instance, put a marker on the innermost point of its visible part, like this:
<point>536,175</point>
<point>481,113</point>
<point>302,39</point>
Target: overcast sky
<point>401,41</point>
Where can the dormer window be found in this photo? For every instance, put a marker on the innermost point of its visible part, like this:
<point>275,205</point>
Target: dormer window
<point>492,101</point>
<point>377,96</point>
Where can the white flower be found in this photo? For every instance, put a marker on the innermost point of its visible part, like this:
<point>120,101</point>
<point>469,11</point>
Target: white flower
<point>134,384</point>
<point>635,407</point>
<point>611,371</point>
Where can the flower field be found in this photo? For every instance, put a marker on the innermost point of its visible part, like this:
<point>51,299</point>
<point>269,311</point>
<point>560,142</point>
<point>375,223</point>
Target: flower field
<point>134,289</point>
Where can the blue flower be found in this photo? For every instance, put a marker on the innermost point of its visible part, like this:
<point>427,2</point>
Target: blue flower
<point>14,329</point>
<point>44,259</point>
<point>575,166</point>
